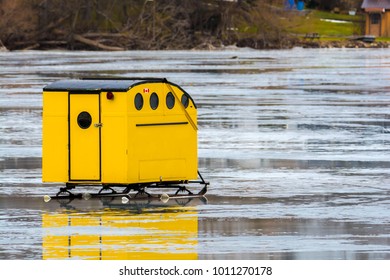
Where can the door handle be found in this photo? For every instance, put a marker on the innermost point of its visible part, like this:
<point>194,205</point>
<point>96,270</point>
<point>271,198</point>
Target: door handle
<point>98,125</point>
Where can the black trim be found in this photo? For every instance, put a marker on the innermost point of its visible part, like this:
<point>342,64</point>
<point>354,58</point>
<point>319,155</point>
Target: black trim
<point>160,124</point>
<point>84,180</point>
<point>126,79</point>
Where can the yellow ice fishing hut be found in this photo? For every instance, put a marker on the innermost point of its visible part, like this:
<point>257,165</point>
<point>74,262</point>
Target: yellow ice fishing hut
<point>118,132</point>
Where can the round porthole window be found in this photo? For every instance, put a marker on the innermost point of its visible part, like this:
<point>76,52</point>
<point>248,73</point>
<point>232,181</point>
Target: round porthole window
<point>185,100</point>
<point>170,100</point>
<point>153,101</point>
<point>84,120</point>
<point>138,101</point>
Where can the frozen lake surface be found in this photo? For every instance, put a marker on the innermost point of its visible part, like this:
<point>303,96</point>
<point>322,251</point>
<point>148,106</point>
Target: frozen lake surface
<point>295,144</point>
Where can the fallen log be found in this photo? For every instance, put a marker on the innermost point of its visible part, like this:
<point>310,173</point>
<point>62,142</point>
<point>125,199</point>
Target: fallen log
<point>32,47</point>
<point>53,43</point>
<point>103,35</point>
<point>95,44</point>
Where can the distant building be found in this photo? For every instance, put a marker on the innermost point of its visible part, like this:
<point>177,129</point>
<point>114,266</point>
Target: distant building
<point>377,17</point>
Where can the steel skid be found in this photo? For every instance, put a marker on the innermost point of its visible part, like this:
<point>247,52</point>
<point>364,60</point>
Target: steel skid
<point>180,189</point>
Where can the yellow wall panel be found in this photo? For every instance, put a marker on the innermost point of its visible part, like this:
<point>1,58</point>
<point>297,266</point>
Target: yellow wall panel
<point>55,137</point>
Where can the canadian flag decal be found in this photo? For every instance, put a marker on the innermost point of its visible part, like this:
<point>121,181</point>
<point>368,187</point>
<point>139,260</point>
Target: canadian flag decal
<point>146,90</point>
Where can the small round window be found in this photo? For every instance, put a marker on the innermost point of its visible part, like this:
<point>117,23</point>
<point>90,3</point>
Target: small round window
<point>170,100</point>
<point>185,100</point>
<point>154,101</point>
<point>84,120</point>
<point>138,101</point>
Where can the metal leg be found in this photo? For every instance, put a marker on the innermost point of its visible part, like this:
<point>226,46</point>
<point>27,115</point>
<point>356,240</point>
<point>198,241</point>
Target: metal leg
<point>67,191</point>
<point>107,188</point>
<point>183,189</point>
<point>142,191</point>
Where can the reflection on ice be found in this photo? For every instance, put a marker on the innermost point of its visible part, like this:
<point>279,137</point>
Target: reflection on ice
<point>291,238</point>
<point>121,235</point>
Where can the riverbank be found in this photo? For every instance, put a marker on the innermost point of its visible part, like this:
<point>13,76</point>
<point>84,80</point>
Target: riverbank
<point>342,44</point>
<point>91,45</point>
<point>298,42</point>
<point>209,46</point>
<point>168,26</point>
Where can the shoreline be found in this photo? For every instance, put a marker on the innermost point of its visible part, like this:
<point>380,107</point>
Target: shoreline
<point>349,44</point>
<point>288,44</point>
<point>303,43</point>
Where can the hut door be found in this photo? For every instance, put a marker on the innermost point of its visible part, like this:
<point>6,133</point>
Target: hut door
<point>84,137</point>
<point>375,24</point>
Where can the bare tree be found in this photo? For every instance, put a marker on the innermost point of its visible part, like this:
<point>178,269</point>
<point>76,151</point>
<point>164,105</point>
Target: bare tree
<point>139,24</point>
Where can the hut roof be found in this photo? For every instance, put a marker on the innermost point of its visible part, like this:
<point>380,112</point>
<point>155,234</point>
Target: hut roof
<point>376,4</point>
<point>99,85</point>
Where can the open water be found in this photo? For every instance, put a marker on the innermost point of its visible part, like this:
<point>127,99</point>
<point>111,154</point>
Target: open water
<point>295,143</point>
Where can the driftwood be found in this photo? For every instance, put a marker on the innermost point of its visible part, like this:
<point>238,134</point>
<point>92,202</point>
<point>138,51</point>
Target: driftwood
<point>32,47</point>
<point>103,35</point>
<point>53,43</point>
<point>95,44</point>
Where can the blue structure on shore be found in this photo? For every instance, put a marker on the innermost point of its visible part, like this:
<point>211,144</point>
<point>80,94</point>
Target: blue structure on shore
<point>300,5</point>
<point>291,5</point>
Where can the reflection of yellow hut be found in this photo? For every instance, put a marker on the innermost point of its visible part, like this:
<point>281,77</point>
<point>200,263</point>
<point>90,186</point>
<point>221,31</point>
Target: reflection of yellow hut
<point>120,235</point>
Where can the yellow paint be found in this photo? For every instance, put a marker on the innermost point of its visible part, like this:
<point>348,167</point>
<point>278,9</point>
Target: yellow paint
<point>60,251</point>
<point>169,234</point>
<point>114,138</point>
<point>55,137</point>
<point>127,145</point>
<point>161,151</point>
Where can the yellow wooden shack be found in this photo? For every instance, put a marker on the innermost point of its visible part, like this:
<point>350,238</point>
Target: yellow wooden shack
<point>118,132</point>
